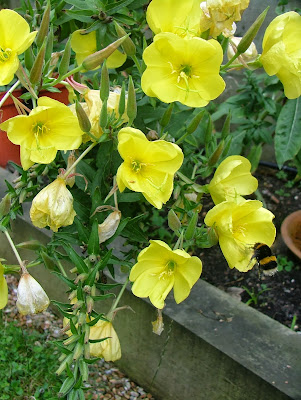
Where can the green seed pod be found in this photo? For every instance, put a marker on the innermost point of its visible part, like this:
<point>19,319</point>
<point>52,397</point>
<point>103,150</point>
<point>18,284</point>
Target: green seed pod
<point>216,155</point>
<point>65,61</point>
<point>249,36</point>
<point>195,122</point>
<point>64,364</point>
<point>190,231</point>
<point>173,221</point>
<point>44,27</point>
<point>104,83</point>
<point>84,370</point>
<point>36,71</point>
<point>83,119</point>
<point>66,386</point>
<point>78,351</point>
<point>71,339</point>
<point>166,116</point>
<point>128,45</point>
<point>5,205</point>
<point>132,105</point>
<point>96,59</point>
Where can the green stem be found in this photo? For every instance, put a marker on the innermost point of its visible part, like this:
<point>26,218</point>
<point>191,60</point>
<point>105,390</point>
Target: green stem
<point>69,170</point>
<point>183,137</point>
<point>4,98</point>
<point>115,304</point>
<point>14,249</point>
<point>134,58</point>
<point>61,267</point>
<point>72,72</point>
<point>223,67</point>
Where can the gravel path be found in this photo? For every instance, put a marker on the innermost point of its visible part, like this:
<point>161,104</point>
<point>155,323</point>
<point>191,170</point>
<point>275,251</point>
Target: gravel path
<point>108,381</point>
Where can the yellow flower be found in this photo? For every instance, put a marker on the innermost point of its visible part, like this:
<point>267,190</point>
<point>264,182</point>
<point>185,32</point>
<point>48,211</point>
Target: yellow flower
<point>53,206</point>
<point>49,127</point>
<point>159,269</point>
<point>15,38</point>
<point>220,15</point>
<point>181,17</point>
<point>31,297</point>
<point>281,53</point>
<point>148,167</point>
<point>232,179</point>
<point>184,70</point>
<point>3,288</point>
<point>85,44</point>
<point>239,226</point>
<point>110,348</point>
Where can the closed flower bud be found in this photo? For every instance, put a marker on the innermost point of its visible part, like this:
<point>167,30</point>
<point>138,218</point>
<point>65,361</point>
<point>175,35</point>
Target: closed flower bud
<point>37,68</point>
<point>173,221</point>
<point>84,122</point>
<point>43,31</point>
<point>53,206</point>
<point>5,205</point>
<point>31,297</point>
<point>94,60</point>
<point>109,226</point>
<point>128,45</point>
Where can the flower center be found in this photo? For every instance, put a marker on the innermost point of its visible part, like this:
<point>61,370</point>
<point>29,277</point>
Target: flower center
<point>136,165</point>
<point>39,129</point>
<point>5,54</point>
<point>185,70</point>
<point>171,265</point>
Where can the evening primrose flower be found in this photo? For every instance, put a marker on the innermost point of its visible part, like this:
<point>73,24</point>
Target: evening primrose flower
<point>220,15</point>
<point>31,297</point>
<point>239,225</point>
<point>3,288</point>
<point>281,53</point>
<point>85,44</point>
<point>14,40</point>
<point>49,127</point>
<point>53,206</point>
<point>184,70</point>
<point>159,269</point>
<point>181,17</point>
<point>148,167</point>
<point>232,179</point>
<point>108,349</point>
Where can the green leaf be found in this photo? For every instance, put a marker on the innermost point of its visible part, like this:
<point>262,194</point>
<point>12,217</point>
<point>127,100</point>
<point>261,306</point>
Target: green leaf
<point>68,281</point>
<point>117,6</point>
<point>81,230</point>
<point>93,244</point>
<point>288,128</point>
<point>76,259</point>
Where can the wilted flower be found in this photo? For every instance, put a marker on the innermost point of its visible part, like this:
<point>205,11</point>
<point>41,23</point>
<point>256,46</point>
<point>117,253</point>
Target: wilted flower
<point>3,288</point>
<point>159,269</point>
<point>220,15</point>
<point>239,226</point>
<point>110,348</point>
<point>15,39</point>
<point>248,56</point>
<point>84,44</point>
<point>53,206</point>
<point>109,226</point>
<point>148,167</point>
<point>232,179</point>
<point>175,73</point>
<point>281,53</point>
<point>31,297</point>
<point>181,17</point>
<point>49,127</point>
<point>158,325</point>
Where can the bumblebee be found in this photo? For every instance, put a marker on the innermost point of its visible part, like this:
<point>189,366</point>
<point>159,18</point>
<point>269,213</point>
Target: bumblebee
<point>266,261</point>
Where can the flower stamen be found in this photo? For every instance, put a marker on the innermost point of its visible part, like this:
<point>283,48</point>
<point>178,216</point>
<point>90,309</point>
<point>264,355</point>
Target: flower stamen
<point>5,54</point>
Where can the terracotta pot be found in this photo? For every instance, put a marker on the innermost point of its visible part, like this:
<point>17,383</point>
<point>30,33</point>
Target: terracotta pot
<point>291,232</point>
<point>8,150</point>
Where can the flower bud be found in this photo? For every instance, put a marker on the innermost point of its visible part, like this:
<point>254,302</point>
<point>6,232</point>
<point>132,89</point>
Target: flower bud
<point>84,122</point>
<point>108,228</point>
<point>97,58</point>
<point>31,297</point>
<point>217,153</point>
<point>128,45</point>
<point>30,245</point>
<point>104,83</point>
<point>132,105</point>
<point>166,116</point>
<point>43,31</point>
<point>173,221</point>
<point>53,206</point>
<point>5,205</point>
<point>36,70</point>
<point>65,61</point>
